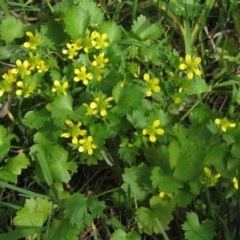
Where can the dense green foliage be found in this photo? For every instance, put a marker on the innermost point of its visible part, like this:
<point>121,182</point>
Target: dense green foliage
<point>119,120</point>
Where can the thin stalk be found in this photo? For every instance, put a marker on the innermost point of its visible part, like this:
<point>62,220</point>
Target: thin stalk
<point>210,204</point>
<point>108,191</point>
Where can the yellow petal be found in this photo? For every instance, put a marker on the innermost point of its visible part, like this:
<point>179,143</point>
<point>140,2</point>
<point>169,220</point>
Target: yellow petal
<point>224,129</point>
<point>56,83</point>
<point>159,131</point>
<point>66,135</point>
<point>190,74</point>
<point>19,92</point>
<point>188,59</point>
<point>207,171</point>
<point>74,140</point>
<point>20,84</point>
<point>146,77</point>
<point>183,66</point>
<point>197,72</point>
<point>155,81</point>
<point>218,121</point>
<point>152,138</point>
<point>69,123</point>
<point>81,149</point>
<point>29,34</point>
<point>232,125</point>
<point>90,151</point>
<point>144,131</point>
<point>156,123</point>
<point>197,60</point>
<point>90,138</point>
<point>156,89</point>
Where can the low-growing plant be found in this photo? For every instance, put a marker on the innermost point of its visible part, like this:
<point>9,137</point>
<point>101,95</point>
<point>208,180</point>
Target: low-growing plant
<point>108,131</point>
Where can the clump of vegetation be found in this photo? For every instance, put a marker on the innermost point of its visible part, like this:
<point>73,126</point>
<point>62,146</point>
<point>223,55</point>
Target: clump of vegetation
<point>119,120</point>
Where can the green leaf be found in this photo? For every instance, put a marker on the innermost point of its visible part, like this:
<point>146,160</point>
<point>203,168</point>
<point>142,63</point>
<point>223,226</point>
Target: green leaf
<point>152,54</point>
<point>164,181</point>
<point>7,51</point>
<point>57,159</point>
<point>120,234</point>
<point>186,157</point>
<point>128,154</point>
<point>95,13</point>
<point>143,29</point>
<point>76,21</point>
<point>16,164</point>
<point>11,28</point>
<point>34,213</point>
<point>36,119</point>
<point>62,107</point>
<point>215,156</point>
<point>137,119</point>
<point>5,142</point>
<point>62,230</point>
<point>198,87</point>
<point>160,209</point>
<point>81,210</point>
<point>135,177</point>
<point>113,31</point>
<point>194,230</point>
<point>125,99</point>
<point>7,176</point>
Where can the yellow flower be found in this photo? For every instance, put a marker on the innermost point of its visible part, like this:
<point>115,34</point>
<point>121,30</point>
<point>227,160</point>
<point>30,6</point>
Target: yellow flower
<point>210,180</point>
<point>99,40</point>
<point>152,84</point>
<point>36,63</point>
<point>10,76</point>
<point>5,86</point>
<point>153,130</point>
<point>34,41</point>
<point>235,181</point>
<point>100,60</point>
<point>71,51</point>
<point>60,88</point>
<point>82,75</point>
<point>26,87</point>
<point>86,145</point>
<point>191,66</point>
<point>22,68</point>
<point>224,123</point>
<point>91,109</point>
<point>74,131</point>
<point>102,104</point>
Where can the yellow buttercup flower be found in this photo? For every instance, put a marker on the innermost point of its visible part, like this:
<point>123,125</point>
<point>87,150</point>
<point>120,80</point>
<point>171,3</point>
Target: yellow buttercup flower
<point>224,123</point>
<point>103,104</point>
<point>153,130</point>
<point>82,75</point>
<point>71,51</point>
<point>191,66</point>
<point>86,145</point>
<point>5,86</point>
<point>152,84</point>
<point>235,181</point>
<point>60,88</point>
<point>74,131</point>
<point>100,60</point>
<point>22,68</point>
<point>10,76</point>
<point>34,40</point>
<point>210,179</point>
<point>99,40</point>
<point>91,109</point>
